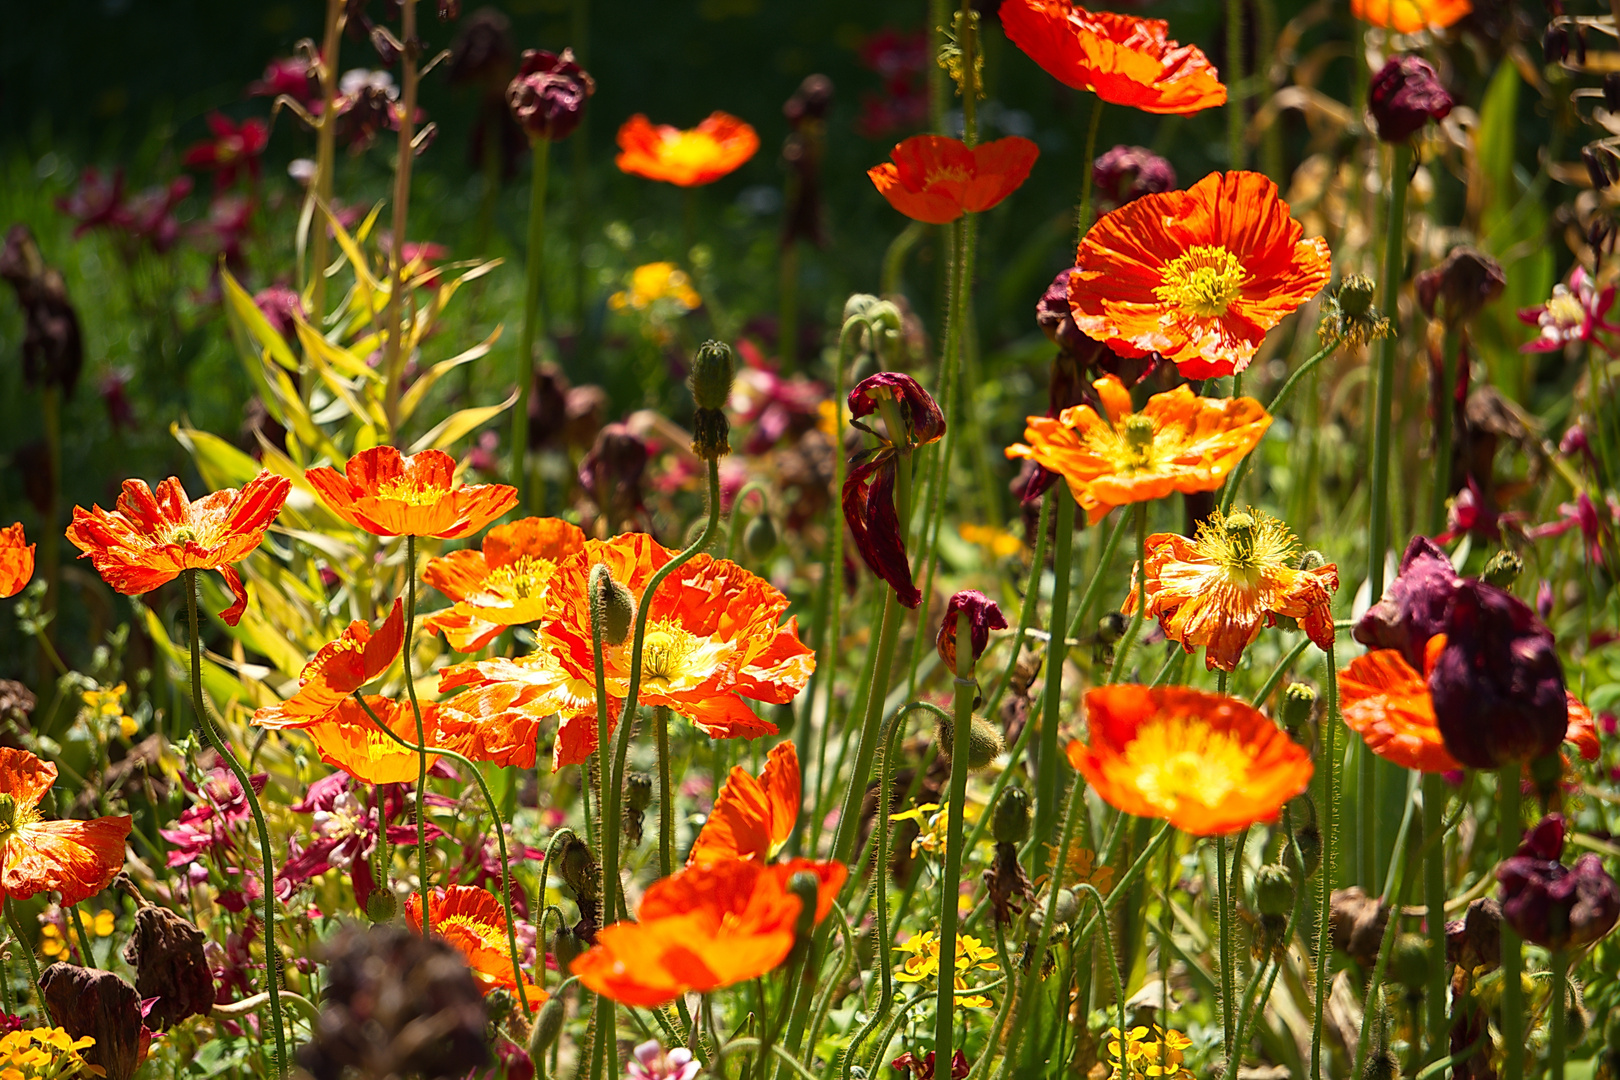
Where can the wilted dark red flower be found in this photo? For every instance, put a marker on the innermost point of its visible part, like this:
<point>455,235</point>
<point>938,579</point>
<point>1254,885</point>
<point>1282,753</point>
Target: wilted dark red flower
<point>482,50</point>
<point>924,1069</point>
<point>293,76</point>
<point>1129,172</point>
<point>1498,686</point>
<point>52,345</point>
<point>233,149</point>
<point>1465,282</point>
<point>149,215</point>
<point>166,952</point>
<point>547,98</point>
<point>983,616</point>
<point>1553,905</point>
<point>868,495</point>
<point>1413,607</point>
<point>611,472</point>
<point>84,1001</point>
<point>1404,95</point>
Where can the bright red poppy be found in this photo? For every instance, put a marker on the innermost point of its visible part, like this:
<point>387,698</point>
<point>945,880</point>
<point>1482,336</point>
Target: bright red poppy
<point>339,669</point>
<point>936,179</point>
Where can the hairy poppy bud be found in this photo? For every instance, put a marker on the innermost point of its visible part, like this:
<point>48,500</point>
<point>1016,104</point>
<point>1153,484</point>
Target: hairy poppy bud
<point>381,905</point>
<point>638,791</point>
<point>548,96</point>
<point>1381,1065</point>
<point>985,743</point>
<point>1273,890</point>
<point>1461,285</point>
<point>1308,839</point>
<point>1111,627</point>
<point>807,887</point>
<point>1553,905</point>
<point>983,616</point>
<point>1129,172</point>
<point>1503,569</point>
<point>1010,823</point>
<point>166,952</point>
<point>612,606</point>
<point>1298,703</point>
<point>1356,294</point>
<point>875,310</point>
<point>1404,95</point>
<point>1409,963</point>
<point>712,373</point>
<point>759,539</point>
<point>548,1026</point>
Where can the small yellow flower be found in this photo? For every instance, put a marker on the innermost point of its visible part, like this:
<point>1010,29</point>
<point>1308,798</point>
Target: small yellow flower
<point>105,923</point>
<point>999,542</point>
<point>44,1054</point>
<point>105,706</point>
<point>652,282</point>
<point>51,942</point>
<point>923,963</point>
<point>1148,1052</point>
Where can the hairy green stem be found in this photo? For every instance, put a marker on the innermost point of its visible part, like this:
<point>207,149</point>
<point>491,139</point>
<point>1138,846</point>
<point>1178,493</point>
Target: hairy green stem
<point>1384,383</point>
<point>1224,928</point>
<point>1026,611</point>
<point>1443,406</point>
<point>421,734</point>
<point>1049,775</point>
<point>949,891</point>
<point>1278,400</point>
<point>1509,832</point>
<point>666,794</point>
<point>1329,821</point>
<point>1557,1026</point>
<point>1135,627</point>
<point>1082,214</point>
<point>1434,899</point>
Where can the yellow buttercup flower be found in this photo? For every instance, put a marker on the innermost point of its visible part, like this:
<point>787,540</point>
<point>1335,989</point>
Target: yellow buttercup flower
<point>51,942</point>
<point>1149,1052</point>
<point>923,963</point>
<point>652,282</point>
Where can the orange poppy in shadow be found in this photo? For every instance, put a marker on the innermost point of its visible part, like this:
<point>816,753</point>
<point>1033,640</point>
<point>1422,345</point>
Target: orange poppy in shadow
<point>701,155</point>
<point>753,817</point>
<point>16,560</point>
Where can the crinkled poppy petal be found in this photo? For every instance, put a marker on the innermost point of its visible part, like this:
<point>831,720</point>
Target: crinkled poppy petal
<point>233,614</point>
<point>457,574</point>
<point>921,413</point>
<point>931,207</point>
<point>16,560</point>
<point>868,501</point>
<point>577,734</point>
<point>25,777</point>
<point>725,716</point>
<point>384,646</point>
<point>752,817</point>
<point>1386,702</point>
<point>75,858</point>
<point>781,671</point>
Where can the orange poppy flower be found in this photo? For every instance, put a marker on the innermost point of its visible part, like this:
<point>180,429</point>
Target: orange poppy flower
<point>1410,16</point>
<point>1237,576</point>
<point>347,738</point>
<point>1197,276</point>
<point>499,718</point>
<point>936,179</point>
<point>700,155</point>
<point>473,920</point>
<point>706,927</point>
<point>1205,763</point>
<point>713,641</point>
<point>150,537</point>
<point>1178,442</point>
<point>390,495</point>
<point>1120,58</point>
<point>752,818</point>
<point>75,858</point>
<point>16,560</point>
<point>1387,703</point>
<point>502,585</point>
<point>339,669</point>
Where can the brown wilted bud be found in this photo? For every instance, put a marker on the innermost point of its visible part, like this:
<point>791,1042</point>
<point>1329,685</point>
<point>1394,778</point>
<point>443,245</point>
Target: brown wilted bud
<point>52,345</point>
<point>1464,283</point>
<point>1475,940</point>
<point>548,96</point>
<point>611,473</point>
<point>166,952</point>
<point>1357,922</point>
<point>1009,886</point>
<point>98,1004</point>
<point>584,876</point>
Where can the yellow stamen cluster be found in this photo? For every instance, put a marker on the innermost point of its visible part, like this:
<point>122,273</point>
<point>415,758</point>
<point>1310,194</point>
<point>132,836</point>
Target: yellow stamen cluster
<point>667,651</point>
<point>410,492</point>
<point>1182,757</point>
<point>1203,281</point>
<point>1246,544</point>
<point>521,579</point>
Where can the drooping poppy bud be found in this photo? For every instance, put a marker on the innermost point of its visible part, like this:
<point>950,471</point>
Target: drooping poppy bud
<point>1461,285</point>
<point>548,96</point>
<point>611,472</point>
<point>1497,685</point>
<point>983,616</point>
<point>760,538</point>
<point>1553,905</point>
<point>1010,822</point>
<point>1273,890</point>
<point>1404,95</point>
<point>1129,172</point>
<point>919,412</point>
<point>1413,607</point>
<point>1298,702</point>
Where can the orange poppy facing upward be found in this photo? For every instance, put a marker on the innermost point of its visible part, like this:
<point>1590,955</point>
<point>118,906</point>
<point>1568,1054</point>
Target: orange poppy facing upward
<point>752,818</point>
<point>1198,276</point>
<point>75,858</point>
<point>1218,591</point>
<point>389,495</point>
<point>1120,58</point>
<point>701,155</point>
<point>706,927</point>
<point>502,585</point>
<point>16,560</point>
<point>937,180</point>
<point>1178,442</point>
<point>1410,16</point>
<point>339,669</point>
<point>348,739</point>
<point>473,920</point>
<point>1205,763</point>
<point>149,537</point>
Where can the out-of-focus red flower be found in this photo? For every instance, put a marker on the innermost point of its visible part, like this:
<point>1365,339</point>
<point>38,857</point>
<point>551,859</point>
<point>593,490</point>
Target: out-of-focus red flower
<point>777,407</point>
<point>281,307</point>
<point>97,201</point>
<point>900,58</point>
<point>113,389</point>
<point>1575,312</point>
<point>234,149</point>
<point>149,216</point>
<point>293,76</point>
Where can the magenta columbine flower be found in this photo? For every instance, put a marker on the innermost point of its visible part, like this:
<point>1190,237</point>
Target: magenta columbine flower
<point>650,1061</point>
<point>1574,313</point>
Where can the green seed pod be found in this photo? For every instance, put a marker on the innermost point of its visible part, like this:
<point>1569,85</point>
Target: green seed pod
<point>1409,963</point>
<point>1298,703</point>
<point>712,373</point>
<point>548,1025</point>
<point>1273,890</point>
<point>1356,294</point>
<point>807,887</point>
<point>638,788</point>
<point>759,539</point>
<point>1308,838</point>
<point>1010,824</point>
<point>1503,569</point>
<point>382,905</point>
<point>612,606</point>
<point>1111,627</point>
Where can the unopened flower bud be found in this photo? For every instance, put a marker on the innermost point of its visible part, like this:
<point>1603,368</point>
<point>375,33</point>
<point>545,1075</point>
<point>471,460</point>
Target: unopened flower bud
<point>1010,823</point>
<point>1356,294</point>
<point>580,870</point>
<point>759,539</point>
<point>1381,1065</point>
<point>1273,890</point>
<point>612,606</point>
<point>1464,282</point>
<point>985,743</point>
<point>548,1026</point>
<point>1068,907</point>
<point>1409,963</point>
<point>1298,703</point>
<point>1111,627</point>
<point>638,789</point>
<point>1503,569</point>
<point>1312,560</point>
<point>1308,839</point>
<point>713,371</point>
<point>1129,172</point>
<point>1404,95</point>
<point>807,887</point>
<point>381,905</point>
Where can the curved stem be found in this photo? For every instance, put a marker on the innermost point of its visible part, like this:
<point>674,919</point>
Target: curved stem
<point>216,739</point>
<point>421,735</point>
<point>1224,928</point>
<point>1329,821</point>
<point>1278,400</point>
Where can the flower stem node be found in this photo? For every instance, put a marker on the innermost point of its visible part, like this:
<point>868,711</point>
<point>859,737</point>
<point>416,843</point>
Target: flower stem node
<point>1503,569</point>
<point>612,606</point>
<point>1010,824</point>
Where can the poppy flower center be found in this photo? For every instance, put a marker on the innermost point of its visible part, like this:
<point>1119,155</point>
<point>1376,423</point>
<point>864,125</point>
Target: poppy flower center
<point>1203,281</point>
<point>1182,758</point>
<point>668,651</point>
<point>491,937</point>
<point>410,492</point>
<point>1245,546</point>
<point>182,534</point>
<point>523,579</point>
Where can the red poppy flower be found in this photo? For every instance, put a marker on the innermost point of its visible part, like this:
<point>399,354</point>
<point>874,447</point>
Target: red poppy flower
<point>700,155</point>
<point>150,537</point>
<point>16,560</point>
<point>752,818</point>
<point>234,148</point>
<point>340,668</point>
<point>1198,276</point>
<point>502,585</point>
<point>474,921</point>
<point>75,858</point>
<point>1120,58</point>
<point>385,493</point>
<point>936,179</point>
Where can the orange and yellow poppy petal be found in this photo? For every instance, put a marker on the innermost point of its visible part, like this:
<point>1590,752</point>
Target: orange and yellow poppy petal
<point>781,671</point>
<point>339,669</point>
<point>701,155</point>
<point>1000,168</point>
<point>463,630</point>
<point>457,574</point>
<point>25,777</point>
<point>348,739</point>
<point>16,560</point>
<point>535,537</point>
<point>935,179</point>
<point>233,580</point>
<point>474,922</point>
<point>387,494</point>
<point>1410,16</point>
<point>577,736</point>
<point>752,817</point>
<point>722,716</point>
<point>1385,701</point>
<point>930,207</point>
<point>498,723</point>
<point>74,858</point>
<point>1207,764</point>
<point>1582,733</point>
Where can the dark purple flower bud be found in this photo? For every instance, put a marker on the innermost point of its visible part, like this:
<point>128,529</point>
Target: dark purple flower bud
<point>52,345</point>
<point>1544,600</point>
<point>1413,608</point>
<point>1404,95</point>
<point>1129,172</point>
<point>482,51</point>
<point>810,101</point>
<point>1575,441</point>
<point>920,414</point>
<point>1554,905</point>
<point>98,1004</point>
<point>1497,686</point>
<point>1056,318</point>
<point>1461,285</point>
<point>547,98</point>
<point>281,308</point>
<point>983,616</point>
<point>611,472</point>
<point>1555,45</point>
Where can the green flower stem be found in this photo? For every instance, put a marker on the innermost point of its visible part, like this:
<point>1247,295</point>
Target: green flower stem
<point>1559,1023</point>
<point>1224,925</point>
<point>1290,658</point>
<point>1116,533</point>
<point>734,530</point>
<point>1508,834</point>
<point>1394,894</point>
<point>1082,213</point>
<point>880,875</point>
<point>962,731</point>
<point>666,796</point>
<point>72,912</point>
<point>1234,82</point>
<point>421,735</point>
<point>1384,381</point>
<point>422,750</point>
<point>1049,775</point>
<point>1026,611</point>
<point>1135,627</point>
<point>216,739</point>
<point>1005,777</point>
<point>1443,406</point>
<point>1278,400</point>
<point>1434,899</point>
<point>27,949</point>
<point>393,323</point>
<point>1330,725</point>
<point>534,264</point>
